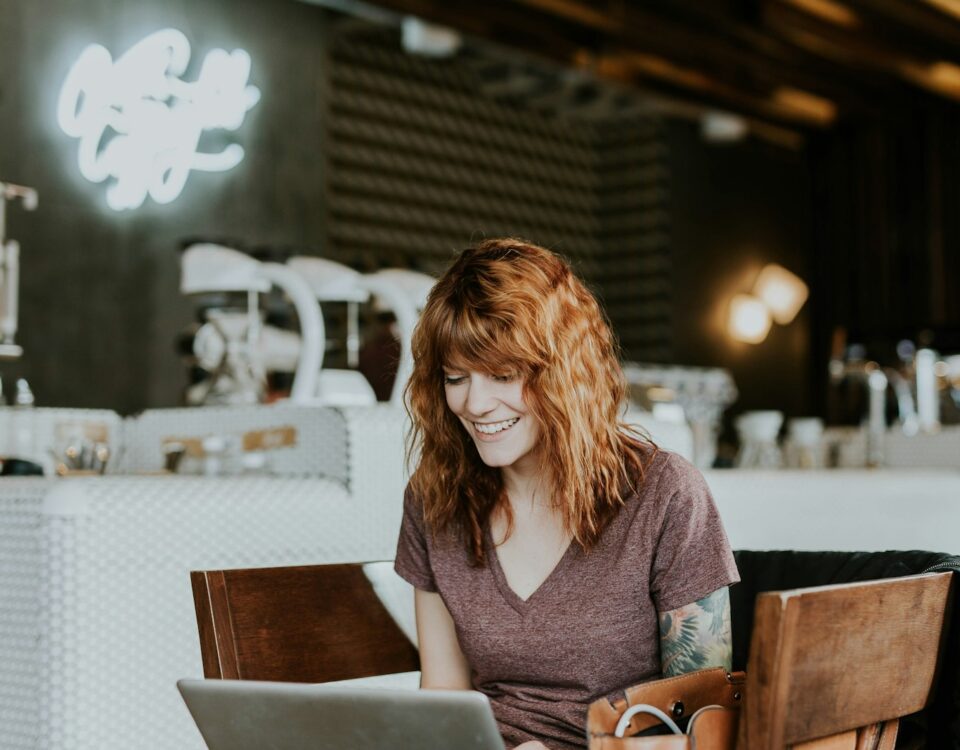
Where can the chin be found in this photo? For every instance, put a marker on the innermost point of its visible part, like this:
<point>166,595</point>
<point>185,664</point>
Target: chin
<point>496,462</point>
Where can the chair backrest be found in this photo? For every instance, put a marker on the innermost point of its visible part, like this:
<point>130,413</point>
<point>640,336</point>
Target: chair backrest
<point>830,660</point>
<point>313,623</point>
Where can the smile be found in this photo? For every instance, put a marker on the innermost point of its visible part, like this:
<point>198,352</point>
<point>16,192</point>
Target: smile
<point>492,428</point>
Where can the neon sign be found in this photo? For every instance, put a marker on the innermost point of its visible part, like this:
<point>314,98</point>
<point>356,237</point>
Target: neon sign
<point>140,124</point>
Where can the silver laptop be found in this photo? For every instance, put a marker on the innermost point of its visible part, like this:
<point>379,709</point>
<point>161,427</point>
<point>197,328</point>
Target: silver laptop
<point>248,715</point>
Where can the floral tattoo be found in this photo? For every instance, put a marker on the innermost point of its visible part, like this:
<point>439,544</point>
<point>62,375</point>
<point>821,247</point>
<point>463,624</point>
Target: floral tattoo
<point>697,636</point>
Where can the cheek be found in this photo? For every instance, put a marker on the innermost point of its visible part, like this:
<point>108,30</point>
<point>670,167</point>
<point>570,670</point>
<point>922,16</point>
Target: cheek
<point>533,431</point>
<point>517,400</point>
<point>453,402</point>
<point>525,403</point>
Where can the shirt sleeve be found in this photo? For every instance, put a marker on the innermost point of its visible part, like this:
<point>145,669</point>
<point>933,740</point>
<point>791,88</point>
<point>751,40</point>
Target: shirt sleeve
<point>412,562</point>
<point>693,556</point>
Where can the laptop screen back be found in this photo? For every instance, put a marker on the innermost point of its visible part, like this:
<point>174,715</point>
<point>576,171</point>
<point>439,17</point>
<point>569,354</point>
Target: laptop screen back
<point>247,715</point>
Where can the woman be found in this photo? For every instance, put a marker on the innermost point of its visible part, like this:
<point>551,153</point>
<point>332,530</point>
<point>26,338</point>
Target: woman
<point>557,556</point>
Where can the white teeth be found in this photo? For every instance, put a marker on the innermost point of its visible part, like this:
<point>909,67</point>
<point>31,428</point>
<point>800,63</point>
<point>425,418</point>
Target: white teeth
<point>495,427</point>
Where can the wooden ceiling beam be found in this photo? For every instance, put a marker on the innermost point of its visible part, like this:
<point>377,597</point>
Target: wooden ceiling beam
<point>641,69</point>
<point>565,40</point>
<point>498,22</point>
<point>561,37</point>
<point>864,52</point>
<point>777,60</point>
<point>606,19</point>
<point>785,62</point>
<point>707,36</point>
<point>933,25</point>
<point>731,75</point>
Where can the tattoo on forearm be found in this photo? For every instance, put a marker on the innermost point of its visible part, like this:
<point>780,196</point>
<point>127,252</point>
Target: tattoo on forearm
<point>697,636</point>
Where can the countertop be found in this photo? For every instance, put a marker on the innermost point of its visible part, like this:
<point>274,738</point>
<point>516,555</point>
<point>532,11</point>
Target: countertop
<point>840,509</point>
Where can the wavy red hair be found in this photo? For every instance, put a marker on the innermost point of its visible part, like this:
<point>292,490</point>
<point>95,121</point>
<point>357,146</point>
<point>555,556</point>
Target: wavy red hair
<point>508,306</point>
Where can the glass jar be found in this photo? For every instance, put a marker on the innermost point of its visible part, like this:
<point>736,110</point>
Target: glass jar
<point>758,432</point>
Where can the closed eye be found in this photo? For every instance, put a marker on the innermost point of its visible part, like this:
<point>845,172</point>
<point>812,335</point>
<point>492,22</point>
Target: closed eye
<point>453,379</point>
<point>505,378</point>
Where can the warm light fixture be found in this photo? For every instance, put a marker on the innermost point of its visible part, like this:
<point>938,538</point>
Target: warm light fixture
<point>781,291</point>
<point>139,123</point>
<point>749,319</point>
<point>777,296</point>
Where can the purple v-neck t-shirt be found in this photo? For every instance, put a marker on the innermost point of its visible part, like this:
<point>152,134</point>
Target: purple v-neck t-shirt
<point>590,629</point>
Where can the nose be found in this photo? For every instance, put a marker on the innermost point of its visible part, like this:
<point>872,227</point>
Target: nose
<point>480,396</point>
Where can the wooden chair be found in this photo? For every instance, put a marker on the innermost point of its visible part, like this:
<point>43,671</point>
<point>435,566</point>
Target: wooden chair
<point>296,624</point>
<point>835,667</point>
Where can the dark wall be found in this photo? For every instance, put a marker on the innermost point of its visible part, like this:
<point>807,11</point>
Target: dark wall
<point>887,232</point>
<point>100,304</point>
<point>736,208</point>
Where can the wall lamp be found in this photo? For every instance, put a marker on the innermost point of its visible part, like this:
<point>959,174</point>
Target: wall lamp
<point>777,297</point>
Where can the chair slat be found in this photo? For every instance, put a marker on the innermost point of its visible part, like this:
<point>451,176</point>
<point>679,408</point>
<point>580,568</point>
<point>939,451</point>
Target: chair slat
<point>296,624</point>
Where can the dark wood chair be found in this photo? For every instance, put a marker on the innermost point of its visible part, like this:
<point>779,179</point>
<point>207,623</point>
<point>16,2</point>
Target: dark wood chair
<point>837,666</point>
<point>296,624</point>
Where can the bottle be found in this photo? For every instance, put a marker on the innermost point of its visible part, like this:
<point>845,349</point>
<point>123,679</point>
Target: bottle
<point>22,427</point>
<point>6,427</point>
<point>805,443</point>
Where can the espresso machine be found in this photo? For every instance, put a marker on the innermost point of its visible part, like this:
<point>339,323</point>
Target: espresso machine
<point>399,291</point>
<point>234,346</point>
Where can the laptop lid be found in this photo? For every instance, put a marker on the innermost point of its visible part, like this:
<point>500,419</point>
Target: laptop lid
<point>250,715</point>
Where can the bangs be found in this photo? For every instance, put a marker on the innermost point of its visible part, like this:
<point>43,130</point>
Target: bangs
<point>482,343</point>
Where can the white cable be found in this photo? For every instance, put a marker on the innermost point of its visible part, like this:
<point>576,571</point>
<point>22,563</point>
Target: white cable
<point>697,713</point>
<point>644,708</point>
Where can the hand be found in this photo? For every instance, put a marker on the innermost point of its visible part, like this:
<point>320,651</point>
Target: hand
<point>532,745</point>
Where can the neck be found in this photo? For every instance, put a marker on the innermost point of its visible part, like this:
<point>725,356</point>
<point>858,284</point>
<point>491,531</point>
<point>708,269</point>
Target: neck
<point>525,485</point>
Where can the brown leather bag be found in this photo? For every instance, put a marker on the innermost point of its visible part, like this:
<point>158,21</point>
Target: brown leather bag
<point>710,697</point>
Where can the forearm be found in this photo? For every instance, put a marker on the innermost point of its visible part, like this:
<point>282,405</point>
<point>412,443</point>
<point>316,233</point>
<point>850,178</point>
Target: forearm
<point>442,664</point>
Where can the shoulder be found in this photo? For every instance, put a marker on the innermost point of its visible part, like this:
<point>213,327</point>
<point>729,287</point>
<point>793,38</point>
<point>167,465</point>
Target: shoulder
<point>410,497</point>
<point>670,487</point>
<point>666,474</point>
<point>411,500</point>
<point>415,519</point>
<point>413,508</point>
<point>679,475</point>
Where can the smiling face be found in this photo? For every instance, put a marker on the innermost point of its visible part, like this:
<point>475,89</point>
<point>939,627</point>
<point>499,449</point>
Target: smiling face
<point>495,415</point>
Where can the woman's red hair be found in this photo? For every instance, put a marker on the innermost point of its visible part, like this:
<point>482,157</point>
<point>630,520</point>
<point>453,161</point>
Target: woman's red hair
<point>508,306</point>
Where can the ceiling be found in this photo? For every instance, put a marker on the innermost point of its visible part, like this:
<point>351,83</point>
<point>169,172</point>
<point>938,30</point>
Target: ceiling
<point>787,67</point>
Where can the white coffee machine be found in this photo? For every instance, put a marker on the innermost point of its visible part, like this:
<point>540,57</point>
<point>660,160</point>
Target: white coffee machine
<point>234,345</point>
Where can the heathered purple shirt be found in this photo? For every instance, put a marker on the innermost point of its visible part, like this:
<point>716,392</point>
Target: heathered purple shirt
<point>591,628</point>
